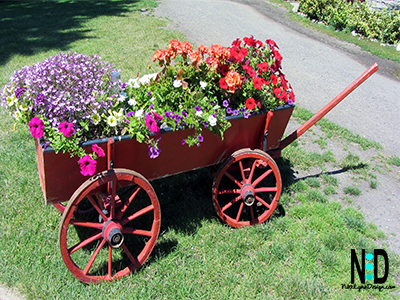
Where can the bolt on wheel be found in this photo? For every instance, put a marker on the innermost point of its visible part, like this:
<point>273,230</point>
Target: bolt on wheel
<point>247,188</point>
<point>119,230</point>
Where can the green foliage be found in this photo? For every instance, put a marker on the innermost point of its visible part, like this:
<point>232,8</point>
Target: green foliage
<point>381,25</point>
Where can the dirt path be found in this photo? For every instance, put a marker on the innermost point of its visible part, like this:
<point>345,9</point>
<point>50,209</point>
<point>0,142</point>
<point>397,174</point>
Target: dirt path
<point>319,67</point>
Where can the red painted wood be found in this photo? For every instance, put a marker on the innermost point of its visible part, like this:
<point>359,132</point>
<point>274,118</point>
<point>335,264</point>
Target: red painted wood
<point>60,175</point>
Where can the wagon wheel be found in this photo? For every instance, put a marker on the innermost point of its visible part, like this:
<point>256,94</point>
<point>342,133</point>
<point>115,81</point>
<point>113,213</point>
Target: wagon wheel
<point>247,188</point>
<point>118,234</point>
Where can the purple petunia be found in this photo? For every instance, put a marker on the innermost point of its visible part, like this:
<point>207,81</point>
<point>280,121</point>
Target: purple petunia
<point>228,110</point>
<point>235,112</point>
<point>246,115</point>
<point>154,152</point>
<point>200,138</point>
<point>225,103</point>
<point>36,126</point>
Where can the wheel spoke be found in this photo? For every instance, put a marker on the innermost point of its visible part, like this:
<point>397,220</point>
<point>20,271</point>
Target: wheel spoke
<point>253,167</point>
<point>137,231</point>
<point>95,253</point>
<point>266,189</point>
<point>263,202</point>
<point>113,194</point>
<point>233,179</point>
<point>260,178</point>
<point>83,223</point>
<point>253,219</point>
<point>127,203</point>
<point>130,256</point>
<point>239,212</point>
<point>109,261</point>
<point>228,191</point>
<point>85,242</point>
<point>242,171</point>
<point>233,201</point>
<point>137,214</point>
<point>97,208</point>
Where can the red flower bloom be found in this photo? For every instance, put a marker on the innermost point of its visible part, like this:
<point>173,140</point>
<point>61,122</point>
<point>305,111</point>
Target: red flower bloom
<point>99,151</point>
<point>263,66</point>
<point>67,129</point>
<point>258,103</point>
<point>250,41</point>
<point>224,69</point>
<point>223,84</point>
<point>272,44</point>
<point>157,117</point>
<point>258,82</point>
<point>250,103</point>
<point>87,165</point>
<point>236,43</point>
<point>36,127</point>
<point>249,70</point>
<point>274,79</point>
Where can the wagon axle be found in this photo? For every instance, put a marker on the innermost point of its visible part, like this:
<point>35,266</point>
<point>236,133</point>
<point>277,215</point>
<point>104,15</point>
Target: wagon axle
<point>247,193</point>
<point>112,233</point>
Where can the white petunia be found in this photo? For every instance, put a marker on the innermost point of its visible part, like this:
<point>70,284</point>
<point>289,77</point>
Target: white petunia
<point>203,84</point>
<point>139,113</point>
<point>177,83</point>
<point>199,113</point>
<point>23,107</point>
<point>132,102</point>
<point>96,118</point>
<point>212,120</point>
<point>122,97</point>
<point>146,78</point>
<point>112,121</point>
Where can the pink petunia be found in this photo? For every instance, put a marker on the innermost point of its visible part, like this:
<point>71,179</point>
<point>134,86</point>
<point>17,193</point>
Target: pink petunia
<point>87,165</point>
<point>99,151</point>
<point>151,124</point>
<point>36,127</point>
<point>157,117</point>
<point>67,129</point>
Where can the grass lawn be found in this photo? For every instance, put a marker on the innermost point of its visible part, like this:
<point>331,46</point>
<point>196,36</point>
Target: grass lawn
<point>303,252</point>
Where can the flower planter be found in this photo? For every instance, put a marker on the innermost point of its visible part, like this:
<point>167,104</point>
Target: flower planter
<point>59,173</point>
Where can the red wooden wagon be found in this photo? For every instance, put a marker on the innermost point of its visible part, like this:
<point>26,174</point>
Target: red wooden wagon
<point>111,222</point>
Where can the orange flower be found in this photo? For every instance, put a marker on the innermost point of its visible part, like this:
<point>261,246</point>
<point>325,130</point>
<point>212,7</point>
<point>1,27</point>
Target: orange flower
<point>196,58</point>
<point>158,55</point>
<point>203,49</point>
<point>185,47</point>
<point>174,45</point>
<point>233,80</point>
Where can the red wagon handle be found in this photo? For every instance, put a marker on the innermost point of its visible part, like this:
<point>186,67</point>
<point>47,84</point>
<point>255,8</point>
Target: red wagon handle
<point>327,108</point>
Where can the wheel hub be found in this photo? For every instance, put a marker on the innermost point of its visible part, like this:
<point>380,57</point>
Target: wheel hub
<point>247,193</point>
<point>112,233</point>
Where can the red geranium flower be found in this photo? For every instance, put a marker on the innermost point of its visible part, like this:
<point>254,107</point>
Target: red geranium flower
<point>87,165</point>
<point>258,82</point>
<point>223,84</point>
<point>99,151</point>
<point>250,103</point>
<point>67,129</point>
<point>249,70</point>
<point>36,127</point>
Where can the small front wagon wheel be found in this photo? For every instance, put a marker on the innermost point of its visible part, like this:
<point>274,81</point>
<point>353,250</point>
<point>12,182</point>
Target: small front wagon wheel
<point>247,188</point>
<point>119,230</point>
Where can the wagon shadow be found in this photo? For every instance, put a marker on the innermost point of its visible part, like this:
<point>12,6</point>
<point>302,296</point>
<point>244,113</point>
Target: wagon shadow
<point>29,27</point>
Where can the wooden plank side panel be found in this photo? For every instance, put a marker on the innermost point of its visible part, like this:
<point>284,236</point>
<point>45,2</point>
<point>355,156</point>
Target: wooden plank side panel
<point>60,174</point>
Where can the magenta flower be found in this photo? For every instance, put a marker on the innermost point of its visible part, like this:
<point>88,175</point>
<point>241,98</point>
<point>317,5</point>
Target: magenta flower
<point>154,152</point>
<point>99,151</point>
<point>157,117</point>
<point>151,124</point>
<point>36,127</point>
<point>87,165</point>
<point>67,129</point>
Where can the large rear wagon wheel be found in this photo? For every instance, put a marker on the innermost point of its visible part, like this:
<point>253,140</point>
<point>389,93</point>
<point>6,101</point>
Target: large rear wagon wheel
<point>119,231</point>
<point>247,188</point>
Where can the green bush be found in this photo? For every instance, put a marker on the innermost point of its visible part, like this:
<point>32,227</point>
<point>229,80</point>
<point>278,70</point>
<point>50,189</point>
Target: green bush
<point>381,25</point>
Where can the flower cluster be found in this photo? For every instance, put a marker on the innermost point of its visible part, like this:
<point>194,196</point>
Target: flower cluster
<point>70,98</point>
